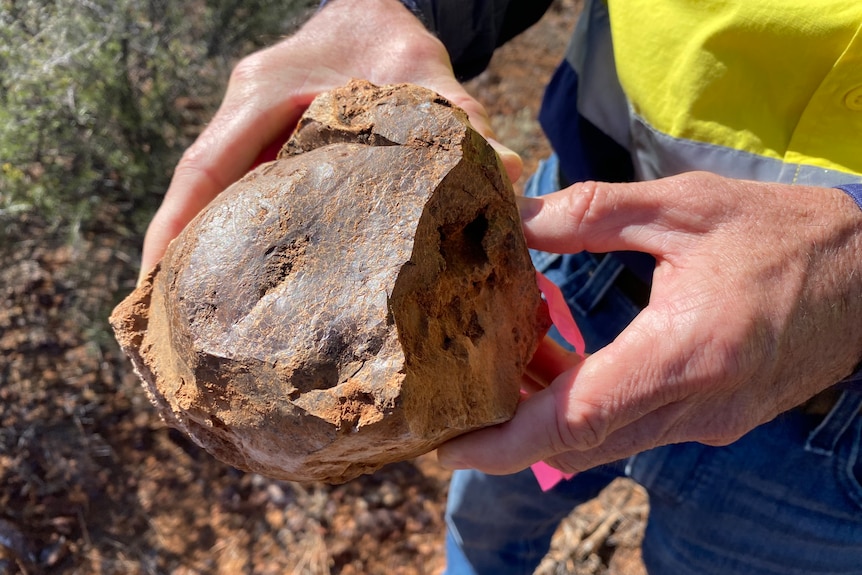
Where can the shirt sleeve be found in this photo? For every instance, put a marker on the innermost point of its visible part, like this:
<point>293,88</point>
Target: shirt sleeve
<point>472,29</point>
<point>854,191</point>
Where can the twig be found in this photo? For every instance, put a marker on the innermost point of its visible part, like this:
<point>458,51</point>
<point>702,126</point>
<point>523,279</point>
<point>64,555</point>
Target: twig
<point>599,536</point>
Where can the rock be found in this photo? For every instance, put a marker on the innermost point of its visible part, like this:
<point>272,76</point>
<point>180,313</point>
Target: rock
<point>358,301</point>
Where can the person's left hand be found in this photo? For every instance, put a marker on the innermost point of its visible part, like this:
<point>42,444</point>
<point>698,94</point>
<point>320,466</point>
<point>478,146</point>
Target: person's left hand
<point>756,306</point>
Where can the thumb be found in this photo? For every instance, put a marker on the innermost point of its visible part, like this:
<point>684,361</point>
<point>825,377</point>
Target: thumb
<point>577,413</point>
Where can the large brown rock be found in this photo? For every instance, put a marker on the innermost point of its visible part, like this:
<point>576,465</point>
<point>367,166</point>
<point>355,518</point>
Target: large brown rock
<point>358,301</point>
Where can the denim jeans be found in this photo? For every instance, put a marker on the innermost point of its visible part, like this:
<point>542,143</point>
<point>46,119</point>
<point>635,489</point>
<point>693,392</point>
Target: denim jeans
<point>784,499</point>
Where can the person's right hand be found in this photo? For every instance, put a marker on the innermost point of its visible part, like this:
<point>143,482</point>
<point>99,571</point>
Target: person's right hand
<point>375,40</point>
<point>755,307</point>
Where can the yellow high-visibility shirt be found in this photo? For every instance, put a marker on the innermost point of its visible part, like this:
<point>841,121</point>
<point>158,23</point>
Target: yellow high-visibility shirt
<point>780,79</point>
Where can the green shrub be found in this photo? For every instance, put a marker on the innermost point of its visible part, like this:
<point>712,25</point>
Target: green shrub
<point>98,98</point>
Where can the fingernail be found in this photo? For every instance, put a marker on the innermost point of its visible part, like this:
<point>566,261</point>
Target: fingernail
<point>529,208</point>
<point>507,155</point>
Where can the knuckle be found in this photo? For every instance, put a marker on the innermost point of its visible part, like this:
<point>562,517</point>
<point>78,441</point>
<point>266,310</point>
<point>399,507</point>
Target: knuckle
<point>592,194</point>
<point>580,206</point>
<point>248,69</point>
<point>194,175</point>
<point>579,431</point>
<point>412,49</point>
<point>721,427</point>
<point>192,158</point>
<point>253,79</point>
<point>192,165</point>
<point>723,436</point>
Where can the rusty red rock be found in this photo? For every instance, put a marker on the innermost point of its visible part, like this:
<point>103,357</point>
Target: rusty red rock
<point>358,301</point>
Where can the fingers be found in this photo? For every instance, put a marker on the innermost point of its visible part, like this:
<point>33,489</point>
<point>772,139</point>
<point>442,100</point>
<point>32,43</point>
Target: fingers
<point>240,136</point>
<point>652,430</point>
<point>601,217</point>
<point>589,216</point>
<point>577,412</point>
<point>587,405</point>
<point>265,98</point>
<point>664,379</point>
<point>512,162</point>
<point>724,345</point>
<point>571,431</point>
<point>509,447</point>
<point>453,91</point>
<point>546,425</point>
<point>244,132</point>
<point>550,360</point>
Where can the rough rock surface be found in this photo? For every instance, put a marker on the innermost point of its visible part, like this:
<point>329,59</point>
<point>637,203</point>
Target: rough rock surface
<point>358,301</point>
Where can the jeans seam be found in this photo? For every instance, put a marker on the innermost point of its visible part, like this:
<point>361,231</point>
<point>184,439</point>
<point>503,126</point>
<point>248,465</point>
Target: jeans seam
<point>825,436</point>
<point>845,470</point>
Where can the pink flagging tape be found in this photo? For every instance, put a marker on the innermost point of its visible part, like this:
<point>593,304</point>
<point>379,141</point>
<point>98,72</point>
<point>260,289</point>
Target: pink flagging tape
<point>561,315</point>
<point>547,476</point>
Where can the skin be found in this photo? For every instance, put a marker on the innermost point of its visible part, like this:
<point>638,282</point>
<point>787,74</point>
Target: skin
<point>376,40</point>
<point>756,306</point>
<point>757,295</point>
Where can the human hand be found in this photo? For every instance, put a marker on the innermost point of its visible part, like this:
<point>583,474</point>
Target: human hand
<point>756,306</point>
<point>375,40</point>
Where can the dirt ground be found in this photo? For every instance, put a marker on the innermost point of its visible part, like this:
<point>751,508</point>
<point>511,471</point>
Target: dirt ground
<point>91,481</point>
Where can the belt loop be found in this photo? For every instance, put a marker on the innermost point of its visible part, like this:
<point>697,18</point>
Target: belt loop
<point>825,437</point>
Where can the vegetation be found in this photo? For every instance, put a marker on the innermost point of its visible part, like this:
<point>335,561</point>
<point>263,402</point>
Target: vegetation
<point>98,98</point>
